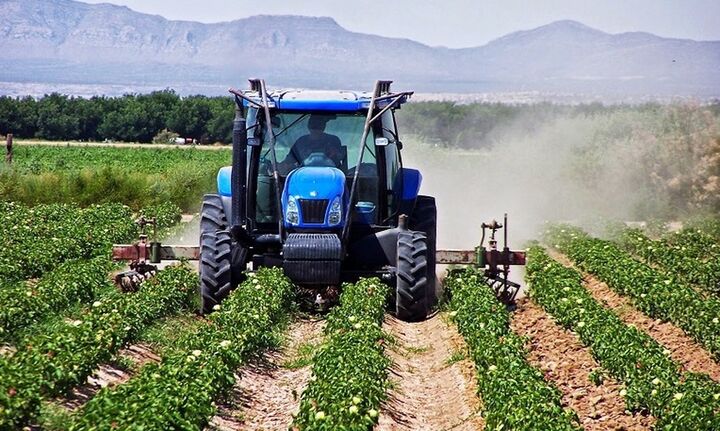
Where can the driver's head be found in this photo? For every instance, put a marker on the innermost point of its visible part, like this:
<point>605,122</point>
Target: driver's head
<point>317,123</point>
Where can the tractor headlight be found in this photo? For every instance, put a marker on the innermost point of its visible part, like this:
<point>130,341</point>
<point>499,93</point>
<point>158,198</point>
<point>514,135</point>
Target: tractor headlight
<point>335,212</point>
<point>292,215</point>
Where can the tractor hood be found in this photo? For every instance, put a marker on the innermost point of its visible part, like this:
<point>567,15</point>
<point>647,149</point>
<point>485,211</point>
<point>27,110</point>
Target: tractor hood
<point>314,197</point>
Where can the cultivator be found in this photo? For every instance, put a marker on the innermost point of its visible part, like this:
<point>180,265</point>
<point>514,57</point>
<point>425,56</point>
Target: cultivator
<point>144,256</point>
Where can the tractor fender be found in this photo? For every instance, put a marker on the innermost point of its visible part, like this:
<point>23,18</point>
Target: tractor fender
<point>224,187</point>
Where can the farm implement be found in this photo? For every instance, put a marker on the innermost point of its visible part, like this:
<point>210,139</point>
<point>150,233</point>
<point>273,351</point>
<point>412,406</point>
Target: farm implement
<point>317,187</point>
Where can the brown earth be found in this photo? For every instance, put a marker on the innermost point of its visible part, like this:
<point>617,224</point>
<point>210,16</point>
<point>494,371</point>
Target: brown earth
<point>433,382</point>
<point>683,349</point>
<point>567,364</point>
<point>268,390</point>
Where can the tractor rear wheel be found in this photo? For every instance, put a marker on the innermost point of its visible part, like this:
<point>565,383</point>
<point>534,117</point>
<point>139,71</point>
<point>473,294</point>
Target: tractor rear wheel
<point>424,219</point>
<point>215,268</point>
<point>412,276</point>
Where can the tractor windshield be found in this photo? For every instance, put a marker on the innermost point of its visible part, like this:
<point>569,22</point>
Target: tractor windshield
<point>315,139</point>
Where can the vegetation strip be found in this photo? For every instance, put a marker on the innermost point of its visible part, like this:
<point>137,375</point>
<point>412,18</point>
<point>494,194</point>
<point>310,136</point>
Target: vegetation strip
<point>350,369</point>
<point>51,362</point>
<point>515,395</point>
<point>657,294</point>
<point>653,381</point>
<point>75,281</point>
<point>37,239</point>
<point>570,365</point>
<point>179,392</point>
<point>688,257</point>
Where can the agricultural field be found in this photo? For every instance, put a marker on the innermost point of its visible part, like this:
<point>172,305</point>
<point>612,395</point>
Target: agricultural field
<point>615,331</point>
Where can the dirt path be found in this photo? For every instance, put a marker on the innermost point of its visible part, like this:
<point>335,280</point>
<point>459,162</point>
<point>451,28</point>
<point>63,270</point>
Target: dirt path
<point>683,349</point>
<point>434,385</point>
<point>568,364</point>
<point>108,375</point>
<point>268,390</point>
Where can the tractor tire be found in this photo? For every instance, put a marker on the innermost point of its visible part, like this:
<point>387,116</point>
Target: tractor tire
<point>215,268</point>
<point>424,219</point>
<point>411,277</point>
<point>212,215</point>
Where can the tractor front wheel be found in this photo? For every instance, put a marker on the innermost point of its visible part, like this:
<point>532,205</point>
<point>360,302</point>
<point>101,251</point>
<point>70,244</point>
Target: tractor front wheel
<point>412,276</point>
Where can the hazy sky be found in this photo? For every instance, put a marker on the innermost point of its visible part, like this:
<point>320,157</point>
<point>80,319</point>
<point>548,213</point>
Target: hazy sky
<point>460,23</point>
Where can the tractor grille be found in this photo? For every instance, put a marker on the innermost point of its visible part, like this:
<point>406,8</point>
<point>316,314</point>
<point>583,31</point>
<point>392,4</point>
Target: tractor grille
<point>313,210</point>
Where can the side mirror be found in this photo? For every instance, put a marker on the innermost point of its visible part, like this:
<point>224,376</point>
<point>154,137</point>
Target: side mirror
<point>381,142</point>
<point>411,180</point>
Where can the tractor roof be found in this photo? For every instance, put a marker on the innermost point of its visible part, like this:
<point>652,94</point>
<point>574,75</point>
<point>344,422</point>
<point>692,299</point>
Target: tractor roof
<point>314,100</point>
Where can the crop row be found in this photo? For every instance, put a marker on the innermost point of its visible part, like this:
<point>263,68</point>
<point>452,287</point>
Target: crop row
<point>687,259</point>
<point>25,303</point>
<point>37,239</point>
<point>657,294</point>
<point>178,393</point>
<point>350,369</point>
<point>54,360</point>
<point>652,380</point>
<point>514,394</point>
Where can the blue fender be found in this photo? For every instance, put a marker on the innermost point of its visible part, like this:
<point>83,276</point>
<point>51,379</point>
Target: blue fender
<point>224,183</point>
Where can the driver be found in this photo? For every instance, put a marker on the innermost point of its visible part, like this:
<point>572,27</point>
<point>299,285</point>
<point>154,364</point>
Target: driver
<point>316,141</point>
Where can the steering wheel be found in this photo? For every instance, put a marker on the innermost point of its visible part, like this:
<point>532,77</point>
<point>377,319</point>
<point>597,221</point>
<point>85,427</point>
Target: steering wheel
<point>318,159</point>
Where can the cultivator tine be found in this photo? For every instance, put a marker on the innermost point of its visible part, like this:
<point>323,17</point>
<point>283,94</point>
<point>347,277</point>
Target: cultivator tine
<point>130,281</point>
<point>504,289</point>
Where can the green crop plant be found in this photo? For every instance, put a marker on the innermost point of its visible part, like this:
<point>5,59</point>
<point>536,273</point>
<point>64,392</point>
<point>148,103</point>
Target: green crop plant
<point>653,382</point>
<point>657,294</point>
<point>179,392</point>
<point>515,395</point>
<point>350,368</point>
<point>50,362</point>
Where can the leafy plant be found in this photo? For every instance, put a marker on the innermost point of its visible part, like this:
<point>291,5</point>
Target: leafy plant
<point>652,380</point>
<point>48,363</point>
<point>350,369</point>
<point>178,393</point>
<point>515,395</point>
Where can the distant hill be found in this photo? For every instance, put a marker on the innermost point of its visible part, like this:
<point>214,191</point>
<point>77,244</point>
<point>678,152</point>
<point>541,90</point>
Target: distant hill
<point>66,42</point>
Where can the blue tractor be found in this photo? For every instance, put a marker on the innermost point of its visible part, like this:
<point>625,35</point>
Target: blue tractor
<point>317,187</point>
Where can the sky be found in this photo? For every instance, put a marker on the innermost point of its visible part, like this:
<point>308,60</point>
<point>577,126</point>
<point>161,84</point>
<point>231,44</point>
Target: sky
<point>460,23</point>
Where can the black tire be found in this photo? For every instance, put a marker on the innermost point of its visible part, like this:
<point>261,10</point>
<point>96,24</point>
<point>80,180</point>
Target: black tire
<point>212,215</point>
<point>215,268</point>
<point>424,219</point>
<point>411,278</point>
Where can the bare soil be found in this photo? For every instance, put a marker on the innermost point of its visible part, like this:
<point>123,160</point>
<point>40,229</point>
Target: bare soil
<point>683,349</point>
<point>567,364</point>
<point>433,383</point>
<point>108,375</point>
<point>268,390</point>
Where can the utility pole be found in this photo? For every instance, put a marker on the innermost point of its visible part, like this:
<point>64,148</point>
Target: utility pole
<point>8,149</point>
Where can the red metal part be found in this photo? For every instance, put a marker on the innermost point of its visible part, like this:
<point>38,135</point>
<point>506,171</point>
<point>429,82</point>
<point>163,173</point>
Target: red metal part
<point>133,252</point>
<point>470,257</point>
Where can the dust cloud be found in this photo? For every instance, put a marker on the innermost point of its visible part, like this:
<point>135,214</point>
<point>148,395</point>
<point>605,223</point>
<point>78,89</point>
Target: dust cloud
<point>551,174</point>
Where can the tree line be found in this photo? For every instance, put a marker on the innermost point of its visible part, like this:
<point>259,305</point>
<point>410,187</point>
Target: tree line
<point>141,117</point>
<point>130,118</point>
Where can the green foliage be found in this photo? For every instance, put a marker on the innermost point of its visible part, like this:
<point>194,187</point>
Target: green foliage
<point>515,395</point>
<point>137,177</point>
<point>131,118</point>
<point>74,281</point>
<point>657,294</point>
<point>652,380</point>
<point>350,369</point>
<point>37,239</point>
<point>687,254</point>
<point>178,393</point>
<point>48,363</point>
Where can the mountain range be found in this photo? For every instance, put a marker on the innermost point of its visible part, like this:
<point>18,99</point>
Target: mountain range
<point>70,42</point>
